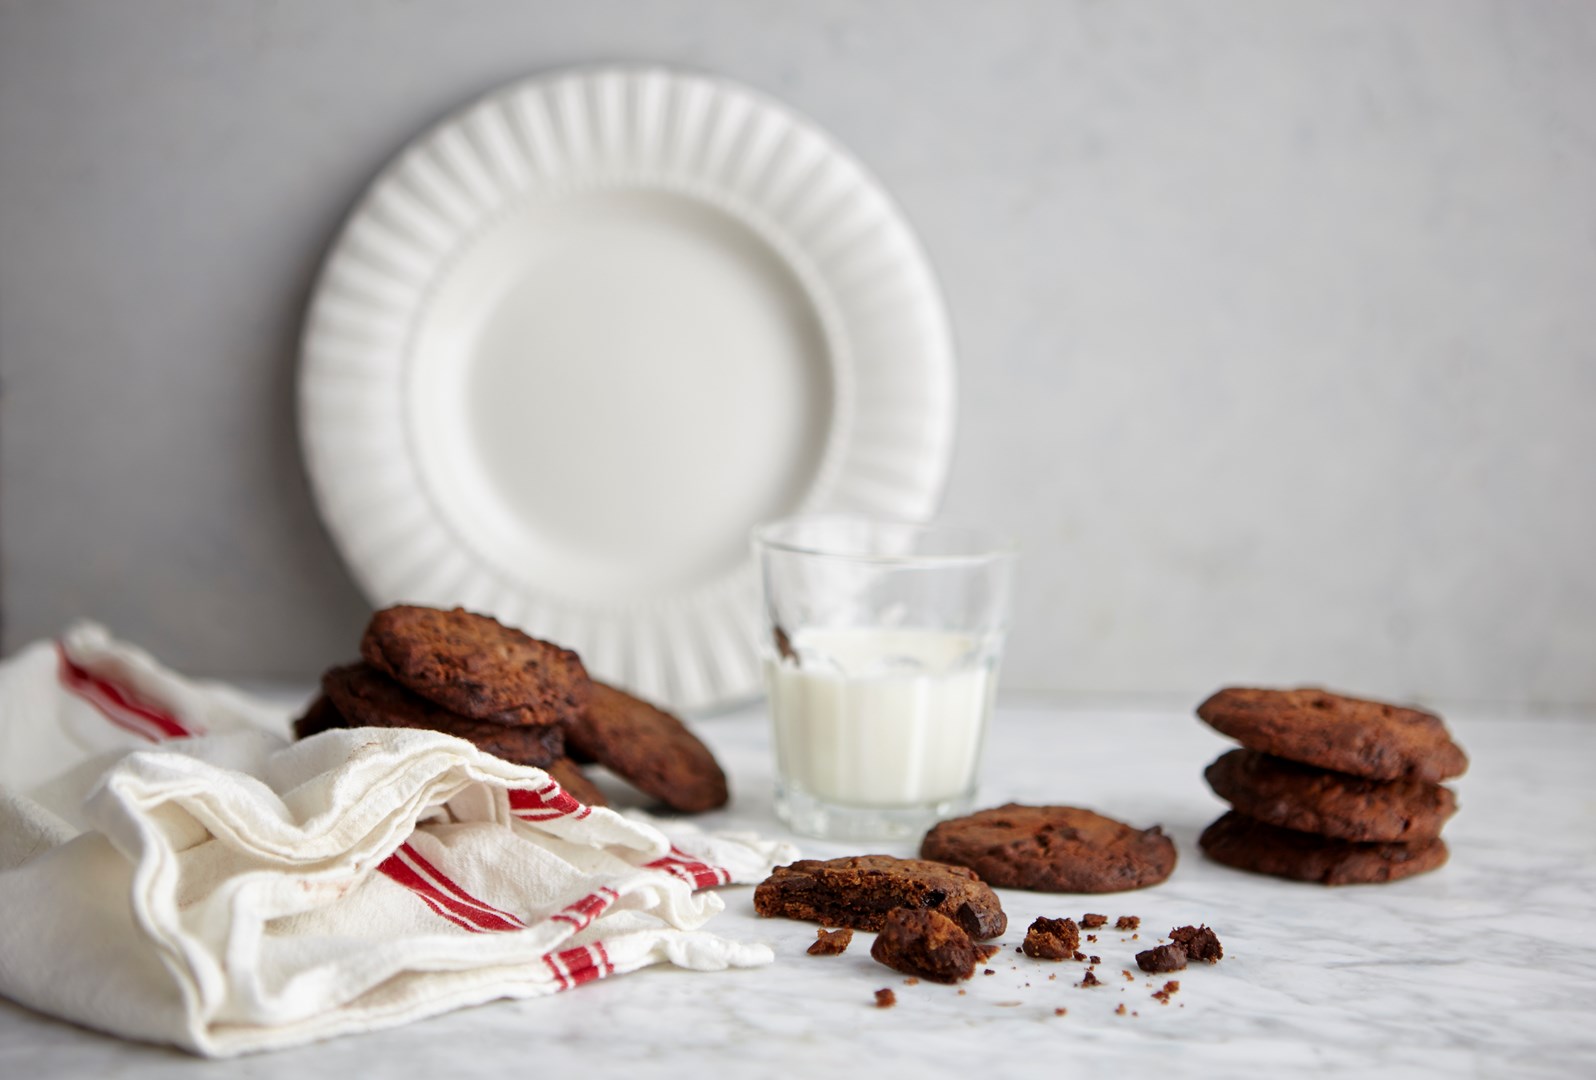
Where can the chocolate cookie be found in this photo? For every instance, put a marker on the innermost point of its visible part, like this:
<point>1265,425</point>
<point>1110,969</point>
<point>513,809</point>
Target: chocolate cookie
<point>1364,738</point>
<point>1310,799</point>
<point>322,715</point>
<point>368,698</point>
<point>1052,849</point>
<point>859,890</point>
<point>649,748</point>
<point>1245,844</point>
<point>476,666</point>
<point>575,782</point>
<point>926,944</point>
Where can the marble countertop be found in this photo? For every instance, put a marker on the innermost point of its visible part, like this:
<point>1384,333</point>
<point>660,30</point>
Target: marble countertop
<point>1485,967</point>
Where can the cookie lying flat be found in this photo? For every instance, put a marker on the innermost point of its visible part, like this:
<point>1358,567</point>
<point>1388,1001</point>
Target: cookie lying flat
<point>926,944</point>
<point>649,748</point>
<point>368,698</point>
<point>858,891</point>
<point>1364,738</point>
<point>1314,800</point>
<point>1052,849</point>
<point>1245,844</point>
<point>476,666</point>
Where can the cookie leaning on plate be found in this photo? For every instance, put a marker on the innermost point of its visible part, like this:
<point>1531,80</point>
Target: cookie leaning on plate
<point>649,748</point>
<point>1351,735</point>
<point>1052,849</point>
<point>476,666</point>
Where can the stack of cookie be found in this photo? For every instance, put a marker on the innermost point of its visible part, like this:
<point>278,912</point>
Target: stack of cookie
<point>1329,788</point>
<point>515,697</point>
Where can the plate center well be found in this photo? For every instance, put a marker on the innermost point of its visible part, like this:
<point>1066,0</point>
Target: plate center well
<point>610,387</point>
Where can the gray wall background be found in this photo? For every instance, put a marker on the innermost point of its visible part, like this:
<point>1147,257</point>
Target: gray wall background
<point>1277,321</point>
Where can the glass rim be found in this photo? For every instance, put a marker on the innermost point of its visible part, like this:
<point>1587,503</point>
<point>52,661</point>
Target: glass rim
<point>987,545</point>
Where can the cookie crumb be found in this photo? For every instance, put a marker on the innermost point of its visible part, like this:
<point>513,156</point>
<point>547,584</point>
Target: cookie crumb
<point>1161,958</point>
<point>1121,1010</point>
<point>1090,980</point>
<point>885,998</point>
<point>1051,939</point>
<point>1135,936</point>
<point>1061,1011</point>
<point>1128,922</point>
<point>924,943</point>
<point>1094,959</point>
<point>831,942</point>
<point>988,971</point>
<point>986,952</point>
<point>1128,976</point>
<point>911,981</point>
<point>961,993</point>
<point>1091,937</point>
<point>1199,942</point>
<point>1169,988</point>
<point>1092,921</point>
<point>1081,957</point>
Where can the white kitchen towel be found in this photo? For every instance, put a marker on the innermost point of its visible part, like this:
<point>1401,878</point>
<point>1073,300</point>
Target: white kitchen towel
<point>173,870</point>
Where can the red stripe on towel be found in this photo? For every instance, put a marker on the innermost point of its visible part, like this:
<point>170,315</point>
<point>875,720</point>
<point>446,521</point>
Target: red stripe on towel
<point>473,915</point>
<point>117,705</point>
<point>700,875</point>
<point>546,804</point>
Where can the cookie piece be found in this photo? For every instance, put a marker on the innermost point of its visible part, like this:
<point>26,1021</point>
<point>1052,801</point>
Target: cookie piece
<point>368,698</point>
<point>859,890</point>
<point>1161,958</point>
<point>1310,799</point>
<point>322,715</point>
<point>1240,842</point>
<point>1200,943</point>
<point>570,776</point>
<point>476,666</point>
<point>1370,739</point>
<point>1052,849</point>
<point>831,942</point>
<point>649,748</point>
<point>1051,939</point>
<point>924,943</point>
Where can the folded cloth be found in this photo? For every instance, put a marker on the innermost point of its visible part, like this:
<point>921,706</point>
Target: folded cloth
<point>173,870</point>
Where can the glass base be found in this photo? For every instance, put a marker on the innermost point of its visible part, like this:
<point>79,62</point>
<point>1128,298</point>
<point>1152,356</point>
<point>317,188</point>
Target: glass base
<point>810,816</point>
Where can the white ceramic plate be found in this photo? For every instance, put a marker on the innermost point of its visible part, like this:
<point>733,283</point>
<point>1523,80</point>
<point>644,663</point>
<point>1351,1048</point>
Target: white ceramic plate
<point>579,338</point>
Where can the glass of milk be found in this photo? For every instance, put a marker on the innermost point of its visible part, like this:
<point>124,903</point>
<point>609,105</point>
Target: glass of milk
<point>881,649</point>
